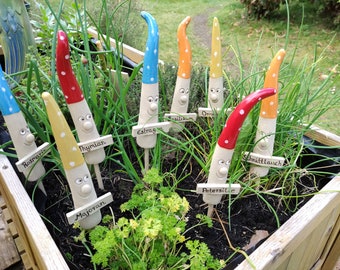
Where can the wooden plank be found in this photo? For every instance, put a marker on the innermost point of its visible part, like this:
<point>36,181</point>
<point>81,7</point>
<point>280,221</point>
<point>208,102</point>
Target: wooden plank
<point>317,239</point>
<point>130,52</point>
<point>20,245</point>
<point>323,136</point>
<point>332,251</point>
<point>8,250</point>
<point>290,236</point>
<point>334,257</point>
<point>40,249</point>
<point>328,245</point>
<point>294,259</point>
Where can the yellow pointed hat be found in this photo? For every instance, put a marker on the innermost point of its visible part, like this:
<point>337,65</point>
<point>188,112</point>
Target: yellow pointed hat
<point>69,151</point>
<point>216,51</point>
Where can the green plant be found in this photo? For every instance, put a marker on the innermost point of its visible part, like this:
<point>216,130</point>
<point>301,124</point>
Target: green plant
<point>152,237</point>
<point>330,8</point>
<point>174,154</point>
<point>260,8</point>
<point>152,233</point>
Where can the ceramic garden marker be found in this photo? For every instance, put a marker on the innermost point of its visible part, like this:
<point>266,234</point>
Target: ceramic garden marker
<point>28,153</point>
<point>178,112</point>
<point>16,37</point>
<point>146,129</point>
<point>215,89</point>
<point>216,186</point>
<point>84,196</point>
<point>264,141</point>
<point>91,144</point>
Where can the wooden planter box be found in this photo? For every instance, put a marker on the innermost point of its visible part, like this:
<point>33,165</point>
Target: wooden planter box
<point>34,243</point>
<point>308,240</point>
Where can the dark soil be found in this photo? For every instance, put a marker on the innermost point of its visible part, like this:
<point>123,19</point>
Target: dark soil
<point>246,216</point>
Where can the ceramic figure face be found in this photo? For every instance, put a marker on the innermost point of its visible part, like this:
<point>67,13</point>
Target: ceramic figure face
<point>81,184</point>
<point>148,111</point>
<point>152,107</point>
<point>222,168</point>
<point>21,135</point>
<point>183,96</point>
<point>28,137</point>
<point>83,120</point>
<point>215,95</point>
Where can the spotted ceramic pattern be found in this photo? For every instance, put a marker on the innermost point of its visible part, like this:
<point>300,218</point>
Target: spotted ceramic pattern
<point>184,62</point>
<point>8,105</point>
<point>234,123</point>
<point>70,154</point>
<point>269,105</point>
<point>150,67</point>
<point>216,57</point>
<point>67,79</point>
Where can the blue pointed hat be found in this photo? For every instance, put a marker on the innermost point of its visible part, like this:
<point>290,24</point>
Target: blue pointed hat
<point>8,105</point>
<point>150,68</point>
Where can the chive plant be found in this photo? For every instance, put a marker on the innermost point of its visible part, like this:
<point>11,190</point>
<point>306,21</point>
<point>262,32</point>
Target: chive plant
<point>114,102</point>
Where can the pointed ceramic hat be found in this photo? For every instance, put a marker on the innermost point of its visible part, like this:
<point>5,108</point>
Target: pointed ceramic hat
<point>269,105</point>
<point>234,123</point>
<point>8,105</point>
<point>150,67</point>
<point>67,80</point>
<point>69,151</point>
<point>216,51</point>
<point>184,65</point>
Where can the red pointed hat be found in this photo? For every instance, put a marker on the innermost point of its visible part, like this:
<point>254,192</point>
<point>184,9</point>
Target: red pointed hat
<point>67,80</point>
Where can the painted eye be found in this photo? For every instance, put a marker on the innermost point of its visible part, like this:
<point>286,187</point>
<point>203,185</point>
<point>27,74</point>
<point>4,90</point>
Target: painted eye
<point>81,118</point>
<point>150,99</point>
<point>22,131</point>
<point>212,90</point>
<point>86,178</point>
<point>187,91</point>
<point>221,162</point>
<point>88,116</point>
<point>156,98</point>
<point>182,91</point>
<point>79,181</point>
<point>218,90</point>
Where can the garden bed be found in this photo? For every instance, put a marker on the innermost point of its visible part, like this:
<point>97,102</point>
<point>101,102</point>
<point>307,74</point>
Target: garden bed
<point>303,241</point>
<point>34,242</point>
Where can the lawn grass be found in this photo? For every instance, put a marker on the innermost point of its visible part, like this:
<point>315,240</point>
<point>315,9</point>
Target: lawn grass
<point>253,42</point>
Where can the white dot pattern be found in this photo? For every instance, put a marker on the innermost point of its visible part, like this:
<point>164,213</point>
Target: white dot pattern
<point>66,143</point>
<point>216,59</point>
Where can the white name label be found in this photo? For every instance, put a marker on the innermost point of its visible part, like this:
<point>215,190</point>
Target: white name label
<point>30,159</point>
<point>264,161</point>
<point>183,117</point>
<point>218,188</point>
<point>94,144</point>
<point>150,129</point>
<point>89,208</point>
<point>206,112</point>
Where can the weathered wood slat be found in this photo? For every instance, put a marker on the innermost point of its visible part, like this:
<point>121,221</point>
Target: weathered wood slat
<point>323,136</point>
<point>41,251</point>
<point>278,248</point>
<point>8,251</point>
<point>332,250</point>
<point>333,256</point>
<point>128,51</point>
